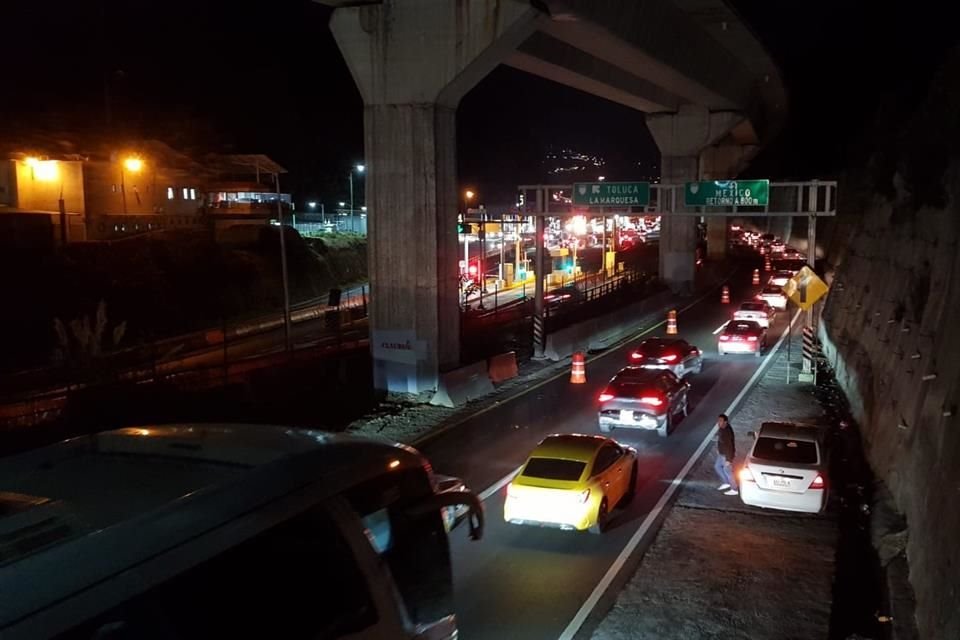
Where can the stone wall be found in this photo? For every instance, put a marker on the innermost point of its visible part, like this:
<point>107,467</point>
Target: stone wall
<point>889,329</point>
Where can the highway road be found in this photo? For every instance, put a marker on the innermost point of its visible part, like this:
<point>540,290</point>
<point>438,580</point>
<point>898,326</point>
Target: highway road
<point>528,582</point>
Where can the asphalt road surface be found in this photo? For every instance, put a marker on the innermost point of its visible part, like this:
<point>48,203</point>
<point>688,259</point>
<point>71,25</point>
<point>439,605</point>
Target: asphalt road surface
<point>527,582</point>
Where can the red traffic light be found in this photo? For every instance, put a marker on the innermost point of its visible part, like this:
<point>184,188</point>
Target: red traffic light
<point>473,269</point>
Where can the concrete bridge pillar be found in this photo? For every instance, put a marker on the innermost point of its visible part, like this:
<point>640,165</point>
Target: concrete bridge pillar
<point>413,60</point>
<point>681,137</point>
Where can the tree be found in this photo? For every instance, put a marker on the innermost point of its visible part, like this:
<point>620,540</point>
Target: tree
<point>83,345</point>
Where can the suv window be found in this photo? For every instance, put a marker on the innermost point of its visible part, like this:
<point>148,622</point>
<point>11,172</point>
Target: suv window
<point>275,585</point>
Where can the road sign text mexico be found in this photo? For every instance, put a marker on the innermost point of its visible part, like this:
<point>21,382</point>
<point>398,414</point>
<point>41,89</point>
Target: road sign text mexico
<point>727,193</point>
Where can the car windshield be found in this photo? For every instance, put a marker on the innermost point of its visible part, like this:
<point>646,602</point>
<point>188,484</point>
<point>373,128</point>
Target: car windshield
<point>742,327</point>
<point>752,306</point>
<point>785,451</point>
<point>554,469</point>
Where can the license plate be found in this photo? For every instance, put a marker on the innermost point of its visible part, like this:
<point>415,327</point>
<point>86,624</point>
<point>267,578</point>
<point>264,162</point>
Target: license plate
<point>626,416</point>
<point>781,483</point>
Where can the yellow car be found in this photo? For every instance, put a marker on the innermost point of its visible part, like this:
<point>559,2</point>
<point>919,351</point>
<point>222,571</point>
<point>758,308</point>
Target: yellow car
<point>572,482</point>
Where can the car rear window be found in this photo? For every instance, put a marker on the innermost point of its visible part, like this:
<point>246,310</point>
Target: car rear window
<point>628,388</point>
<point>741,327</point>
<point>655,347</point>
<point>773,289</point>
<point>785,451</point>
<point>752,306</point>
<point>554,469</point>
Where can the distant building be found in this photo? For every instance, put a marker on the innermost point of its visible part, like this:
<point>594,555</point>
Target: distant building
<point>108,191</point>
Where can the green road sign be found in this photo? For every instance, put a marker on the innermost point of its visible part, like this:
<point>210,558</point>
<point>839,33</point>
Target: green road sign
<point>727,193</point>
<point>611,194</point>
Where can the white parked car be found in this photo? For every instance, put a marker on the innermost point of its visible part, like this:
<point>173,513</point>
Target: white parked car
<point>781,277</point>
<point>786,469</point>
<point>773,296</point>
<point>757,311</point>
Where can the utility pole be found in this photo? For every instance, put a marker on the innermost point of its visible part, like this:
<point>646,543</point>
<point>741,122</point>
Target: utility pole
<point>283,270</point>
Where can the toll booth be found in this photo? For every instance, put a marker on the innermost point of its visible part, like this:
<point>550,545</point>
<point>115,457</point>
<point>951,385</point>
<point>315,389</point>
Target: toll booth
<point>563,266</point>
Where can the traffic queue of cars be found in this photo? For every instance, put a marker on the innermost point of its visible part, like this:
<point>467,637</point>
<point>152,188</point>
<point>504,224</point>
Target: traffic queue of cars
<point>574,481</point>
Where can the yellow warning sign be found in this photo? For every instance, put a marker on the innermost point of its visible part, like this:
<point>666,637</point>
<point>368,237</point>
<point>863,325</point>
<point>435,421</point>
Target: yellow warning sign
<point>805,288</point>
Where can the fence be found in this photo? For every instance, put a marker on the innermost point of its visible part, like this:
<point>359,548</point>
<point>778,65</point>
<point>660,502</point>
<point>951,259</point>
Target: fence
<point>314,225</point>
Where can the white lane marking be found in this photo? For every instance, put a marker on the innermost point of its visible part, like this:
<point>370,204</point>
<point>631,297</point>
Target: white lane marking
<point>721,327</point>
<point>499,484</point>
<point>598,591</point>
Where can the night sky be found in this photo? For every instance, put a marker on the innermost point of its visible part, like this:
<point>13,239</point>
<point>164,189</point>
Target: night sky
<point>269,78</point>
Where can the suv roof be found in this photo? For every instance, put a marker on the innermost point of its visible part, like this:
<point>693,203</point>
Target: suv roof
<point>113,499</point>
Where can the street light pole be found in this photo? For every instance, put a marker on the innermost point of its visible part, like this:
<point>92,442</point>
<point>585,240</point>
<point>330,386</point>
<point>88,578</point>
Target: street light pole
<point>283,270</point>
<point>123,190</point>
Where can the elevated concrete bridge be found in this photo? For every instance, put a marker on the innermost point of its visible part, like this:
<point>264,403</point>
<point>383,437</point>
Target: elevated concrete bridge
<point>710,93</point>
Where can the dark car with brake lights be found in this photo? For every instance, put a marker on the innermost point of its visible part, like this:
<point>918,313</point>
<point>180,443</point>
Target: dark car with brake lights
<point>647,399</point>
<point>676,355</point>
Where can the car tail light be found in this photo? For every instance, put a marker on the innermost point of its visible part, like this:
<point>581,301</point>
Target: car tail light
<point>746,475</point>
<point>759,297</point>
<point>724,338</point>
<point>605,396</point>
<point>653,401</point>
<point>583,496</point>
<point>752,338</point>
<point>817,482</point>
<point>636,355</point>
<point>670,357</point>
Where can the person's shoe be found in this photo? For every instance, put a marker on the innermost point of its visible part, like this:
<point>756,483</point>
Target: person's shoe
<point>731,492</point>
<point>723,487</point>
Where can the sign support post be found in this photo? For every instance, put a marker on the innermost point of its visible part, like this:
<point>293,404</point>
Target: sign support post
<point>538,328</point>
<point>809,373</point>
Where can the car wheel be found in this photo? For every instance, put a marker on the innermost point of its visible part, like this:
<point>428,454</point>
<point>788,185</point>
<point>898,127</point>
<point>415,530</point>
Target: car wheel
<point>601,523</point>
<point>699,367</point>
<point>605,428</point>
<point>632,488</point>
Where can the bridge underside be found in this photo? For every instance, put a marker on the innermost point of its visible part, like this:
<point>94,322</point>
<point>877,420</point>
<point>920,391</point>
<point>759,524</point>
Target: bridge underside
<point>684,66</point>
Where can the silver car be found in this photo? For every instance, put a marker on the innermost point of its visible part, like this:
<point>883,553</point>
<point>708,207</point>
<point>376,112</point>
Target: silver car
<point>645,399</point>
<point>672,354</point>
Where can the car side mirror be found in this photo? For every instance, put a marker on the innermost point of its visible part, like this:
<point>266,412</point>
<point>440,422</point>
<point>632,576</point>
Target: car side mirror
<point>475,515</point>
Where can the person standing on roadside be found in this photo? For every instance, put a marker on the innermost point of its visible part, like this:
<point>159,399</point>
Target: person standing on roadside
<point>726,450</point>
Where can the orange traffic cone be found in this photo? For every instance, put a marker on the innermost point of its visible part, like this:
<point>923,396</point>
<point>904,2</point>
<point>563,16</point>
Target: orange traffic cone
<point>766,264</point>
<point>578,371</point>
<point>756,276</point>
<point>725,295</point>
<point>672,323</point>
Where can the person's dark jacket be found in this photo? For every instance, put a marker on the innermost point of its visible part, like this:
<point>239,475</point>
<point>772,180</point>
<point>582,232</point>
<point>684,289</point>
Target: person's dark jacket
<point>726,446</point>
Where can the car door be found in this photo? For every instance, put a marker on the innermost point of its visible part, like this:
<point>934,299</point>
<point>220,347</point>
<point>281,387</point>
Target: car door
<point>687,357</point>
<point>668,387</point>
<point>608,472</point>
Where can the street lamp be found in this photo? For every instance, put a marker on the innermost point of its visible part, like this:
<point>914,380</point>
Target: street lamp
<point>602,178</point>
<point>359,168</point>
<point>312,205</point>
<point>132,164</point>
